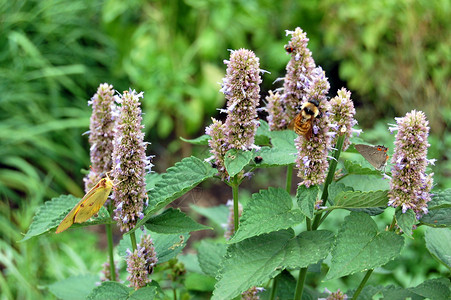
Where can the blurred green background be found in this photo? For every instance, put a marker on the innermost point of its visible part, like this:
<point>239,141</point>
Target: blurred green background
<point>394,56</point>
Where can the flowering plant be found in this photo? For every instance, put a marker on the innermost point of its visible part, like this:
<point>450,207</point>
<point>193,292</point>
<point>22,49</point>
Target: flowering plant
<point>279,242</point>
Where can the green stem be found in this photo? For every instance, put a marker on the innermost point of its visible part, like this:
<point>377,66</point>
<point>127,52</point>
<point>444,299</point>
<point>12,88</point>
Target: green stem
<point>289,178</point>
<point>109,233</point>
<point>274,288</point>
<point>300,284</point>
<point>236,213</point>
<point>330,176</point>
<point>362,284</point>
<point>133,240</point>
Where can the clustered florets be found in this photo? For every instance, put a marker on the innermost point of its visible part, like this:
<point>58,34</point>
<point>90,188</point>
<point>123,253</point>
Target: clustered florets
<point>410,185</point>
<point>140,263</point>
<point>342,114</point>
<point>241,89</point>
<point>101,131</point>
<point>130,162</point>
<point>312,155</point>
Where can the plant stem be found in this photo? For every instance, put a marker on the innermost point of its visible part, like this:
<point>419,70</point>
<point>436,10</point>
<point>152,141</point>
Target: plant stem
<point>274,288</point>
<point>362,284</point>
<point>300,284</point>
<point>133,240</point>
<point>329,178</point>
<point>236,213</point>
<point>289,178</point>
<point>109,233</point>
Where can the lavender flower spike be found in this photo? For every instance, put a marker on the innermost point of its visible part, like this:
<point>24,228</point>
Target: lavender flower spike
<point>101,134</point>
<point>410,185</point>
<point>141,262</point>
<point>277,120</point>
<point>299,69</point>
<point>342,115</point>
<point>241,87</point>
<point>130,162</point>
<point>312,154</point>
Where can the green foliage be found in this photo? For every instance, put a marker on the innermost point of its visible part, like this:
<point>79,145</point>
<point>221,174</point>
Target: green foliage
<point>173,221</point>
<point>361,247</point>
<point>75,287</point>
<point>438,242</point>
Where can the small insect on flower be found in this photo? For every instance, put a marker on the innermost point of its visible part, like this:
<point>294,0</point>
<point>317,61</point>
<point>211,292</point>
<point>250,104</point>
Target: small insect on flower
<point>375,155</point>
<point>302,123</point>
<point>258,159</point>
<point>289,49</point>
<point>89,205</point>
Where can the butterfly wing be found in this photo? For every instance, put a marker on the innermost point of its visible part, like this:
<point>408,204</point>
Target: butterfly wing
<point>94,202</point>
<point>69,218</point>
<point>376,156</point>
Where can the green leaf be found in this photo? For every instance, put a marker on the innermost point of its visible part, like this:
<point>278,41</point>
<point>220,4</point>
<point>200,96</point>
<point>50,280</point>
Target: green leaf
<point>357,199</point>
<point>306,198</point>
<point>336,188</point>
<point>263,129</point>
<point>173,221</point>
<point>440,217</point>
<point>406,221</point>
<point>236,160</point>
<point>440,199</point>
<point>109,290</point>
<point>273,157</point>
<point>254,261</point>
<point>52,212</point>
<point>216,214</point>
<point>269,210</point>
<point>437,289</point>
<point>357,169</point>
<point>366,183</point>
<point>178,180</point>
<point>144,293</point>
<point>210,256</point>
<point>438,242</point>
<point>152,179</point>
<point>361,247</point>
<point>201,140</point>
<point>75,287</point>
<point>167,246</point>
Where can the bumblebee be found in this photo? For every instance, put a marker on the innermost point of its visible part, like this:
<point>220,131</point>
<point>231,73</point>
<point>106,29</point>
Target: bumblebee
<point>302,123</point>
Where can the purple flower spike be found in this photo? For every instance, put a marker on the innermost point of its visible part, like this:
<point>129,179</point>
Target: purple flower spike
<point>131,162</point>
<point>410,185</point>
<point>277,119</point>
<point>342,115</point>
<point>312,154</point>
<point>241,89</point>
<point>141,262</point>
<point>101,131</point>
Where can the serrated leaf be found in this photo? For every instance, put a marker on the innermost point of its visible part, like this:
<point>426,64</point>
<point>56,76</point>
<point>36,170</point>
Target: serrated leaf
<point>254,261</point>
<point>201,140</point>
<point>440,217</point>
<point>75,287</point>
<point>52,212</point>
<point>216,214</point>
<point>109,290</point>
<point>336,188</point>
<point>406,221</point>
<point>361,247</point>
<point>167,246</point>
<point>144,293</point>
<point>437,289</point>
<point>357,199</point>
<point>357,169</point>
<point>210,256</point>
<point>440,199</point>
<point>178,180</point>
<point>306,198</point>
<point>269,210</point>
<point>173,221</point>
<point>438,242</point>
<point>236,160</point>
<point>273,157</point>
<point>366,183</point>
<point>151,180</point>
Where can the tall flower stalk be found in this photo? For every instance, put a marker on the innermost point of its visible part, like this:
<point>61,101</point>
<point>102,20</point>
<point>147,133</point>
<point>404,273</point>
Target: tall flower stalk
<point>101,131</point>
<point>410,185</point>
<point>241,87</point>
<point>130,162</point>
<point>140,263</point>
